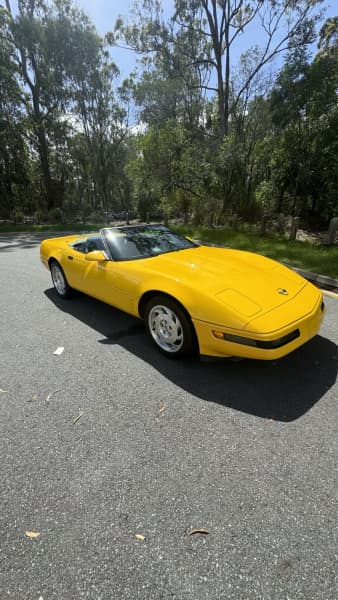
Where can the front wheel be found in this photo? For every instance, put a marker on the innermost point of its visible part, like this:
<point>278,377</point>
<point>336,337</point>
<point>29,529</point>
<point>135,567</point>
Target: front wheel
<point>59,280</point>
<point>169,327</point>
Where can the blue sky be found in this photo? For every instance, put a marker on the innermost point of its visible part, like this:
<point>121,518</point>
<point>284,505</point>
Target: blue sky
<point>104,13</point>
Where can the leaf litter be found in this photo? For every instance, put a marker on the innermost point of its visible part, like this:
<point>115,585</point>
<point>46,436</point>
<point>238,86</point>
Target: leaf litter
<point>50,395</point>
<point>32,534</point>
<point>200,530</point>
<point>78,417</point>
<point>163,407</point>
<point>33,398</point>
<point>59,351</point>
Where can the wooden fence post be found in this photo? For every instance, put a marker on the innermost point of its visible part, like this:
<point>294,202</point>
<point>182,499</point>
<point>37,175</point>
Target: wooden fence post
<point>294,228</point>
<point>234,221</point>
<point>281,223</point>
<point>264,222</point>
<point>331,236</point>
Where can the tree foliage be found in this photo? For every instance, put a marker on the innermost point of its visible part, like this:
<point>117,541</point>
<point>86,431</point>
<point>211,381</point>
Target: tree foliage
<point>219,127</point>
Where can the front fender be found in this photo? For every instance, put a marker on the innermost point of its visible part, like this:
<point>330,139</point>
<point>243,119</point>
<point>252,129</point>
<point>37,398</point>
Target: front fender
<point>200,305</point>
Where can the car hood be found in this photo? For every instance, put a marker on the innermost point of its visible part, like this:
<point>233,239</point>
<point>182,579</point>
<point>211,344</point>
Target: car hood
<point>249,283</point>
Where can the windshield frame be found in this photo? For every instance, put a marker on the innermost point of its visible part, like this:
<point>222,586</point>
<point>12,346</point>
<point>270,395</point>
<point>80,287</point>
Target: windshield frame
<point>104,232</point>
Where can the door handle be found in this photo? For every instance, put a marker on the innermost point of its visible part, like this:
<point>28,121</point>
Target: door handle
<point>70,257</point>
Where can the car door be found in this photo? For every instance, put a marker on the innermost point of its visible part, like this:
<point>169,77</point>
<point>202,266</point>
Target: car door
<point>113,282</point>
<point>108,280</point>
<point>80,272</point>
<point>74,263</point>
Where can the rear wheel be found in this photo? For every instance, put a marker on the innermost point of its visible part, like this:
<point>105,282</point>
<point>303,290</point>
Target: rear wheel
<point>169,327</point>
<point>59,280</point>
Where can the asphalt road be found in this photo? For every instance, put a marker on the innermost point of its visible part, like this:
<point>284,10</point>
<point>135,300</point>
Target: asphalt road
<point>130,443</point>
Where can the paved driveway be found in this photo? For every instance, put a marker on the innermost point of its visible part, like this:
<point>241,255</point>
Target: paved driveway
<point>111,440</point>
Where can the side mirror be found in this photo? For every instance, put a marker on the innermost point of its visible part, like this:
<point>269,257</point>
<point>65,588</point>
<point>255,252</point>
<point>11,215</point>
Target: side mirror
<point>96,256</point>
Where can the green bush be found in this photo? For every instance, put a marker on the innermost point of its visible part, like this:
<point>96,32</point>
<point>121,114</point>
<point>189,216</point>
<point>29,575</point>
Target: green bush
<point>40,216</point>
<point>55,215</point>
<point>17,216</point>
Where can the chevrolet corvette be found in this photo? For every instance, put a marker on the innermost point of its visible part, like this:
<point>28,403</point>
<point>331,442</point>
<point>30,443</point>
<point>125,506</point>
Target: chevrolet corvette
<point>192,297</point>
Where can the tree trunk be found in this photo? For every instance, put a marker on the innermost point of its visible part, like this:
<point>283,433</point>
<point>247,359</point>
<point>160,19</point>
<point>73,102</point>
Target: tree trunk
<point>227,73</point>
<point>218,53</point>
<point>44,161</point>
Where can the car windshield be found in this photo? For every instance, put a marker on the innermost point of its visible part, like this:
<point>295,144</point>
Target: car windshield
<point>131,243</point>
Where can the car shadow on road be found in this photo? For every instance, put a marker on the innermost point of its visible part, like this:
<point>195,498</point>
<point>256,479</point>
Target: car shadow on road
<point>283,390</point>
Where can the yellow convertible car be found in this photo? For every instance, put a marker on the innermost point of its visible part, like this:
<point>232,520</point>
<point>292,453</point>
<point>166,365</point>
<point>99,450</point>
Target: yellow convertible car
<point>218,301</point>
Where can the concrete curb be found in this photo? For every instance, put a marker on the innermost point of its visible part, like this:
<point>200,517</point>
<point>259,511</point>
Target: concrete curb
<point>320,280</point>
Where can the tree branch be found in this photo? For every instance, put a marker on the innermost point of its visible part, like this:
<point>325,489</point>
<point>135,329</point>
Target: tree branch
<point>267,55</point>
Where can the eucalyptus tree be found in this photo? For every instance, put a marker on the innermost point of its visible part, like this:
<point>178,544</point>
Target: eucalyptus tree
<point>101,111</point>
<point>170,78</point>
<point>47,41</point>
<point>222,28</point>
<point>13,156</point>
<point>168,171</point>
<point>304,111</point>
<point>202,52</point>
<point>241,84</point>
<point>173,111</point>
<point>328,37</point>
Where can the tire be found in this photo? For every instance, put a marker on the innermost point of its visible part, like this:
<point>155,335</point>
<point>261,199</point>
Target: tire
<point>59,280</point>
<point>169,327</point>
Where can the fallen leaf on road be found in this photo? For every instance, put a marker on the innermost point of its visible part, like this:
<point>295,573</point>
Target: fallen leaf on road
<point>78,417</point>
<point>141,537</point>
<point>50,395</point>
<point>163,407</point>
<point>201,530</point>
<point>59,351</point>
<point>33,398</point>
<point>32,534</point>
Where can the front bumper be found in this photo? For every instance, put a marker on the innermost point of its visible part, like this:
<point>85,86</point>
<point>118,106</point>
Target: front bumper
<point>267,346</point>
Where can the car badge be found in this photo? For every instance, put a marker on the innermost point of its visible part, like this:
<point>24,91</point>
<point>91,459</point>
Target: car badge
<point>283,291</point>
